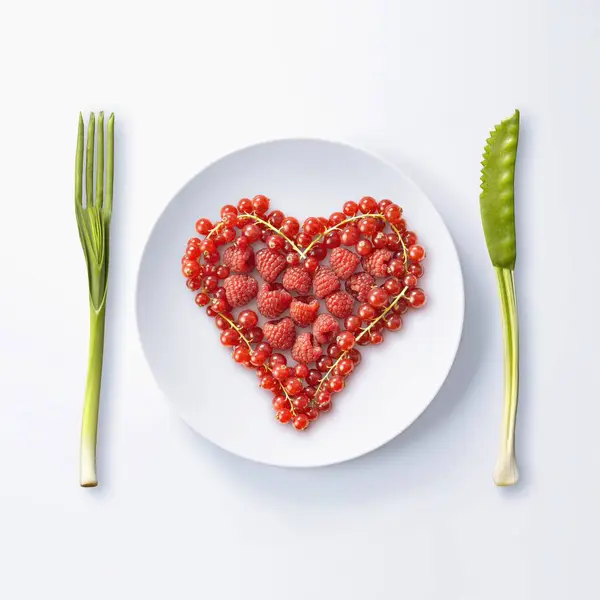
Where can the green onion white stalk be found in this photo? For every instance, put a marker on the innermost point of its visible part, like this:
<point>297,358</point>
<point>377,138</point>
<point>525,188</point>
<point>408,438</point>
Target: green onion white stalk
<point>497,203</point>
<point>93,222</point>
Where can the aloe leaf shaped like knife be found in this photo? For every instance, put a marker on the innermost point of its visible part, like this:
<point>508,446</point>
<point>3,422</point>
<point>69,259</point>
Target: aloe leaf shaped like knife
<point>497,203</point>
<point>93,222</point>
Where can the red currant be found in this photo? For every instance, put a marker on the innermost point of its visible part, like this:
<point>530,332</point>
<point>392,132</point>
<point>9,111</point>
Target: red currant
<point>242,242</point>
<point>410,281</point>
<point>350,208</point>
<point>252,232</point>
<point>268,382</point>
<point>254,335</point>
<point>416,253</point>
<point>364,247</point>
<point>293,386</point>
<point>350,236</point>
<point>230,337</point>
<point>311,264</point>
<point>284,415</point>
<point>241,354</point>
<point>367,226</point>
<point>301,422</point>
<point>202,299</point>
<point>417,298</point>
<point>193,251</point>
<point>355,356</point>
<point>378,297</point>
<point>290,227</point>
<point>313,377</point>
<point>345,340</point>
<point>334,351</point>
<point>367,205</point>
<point>324,363</point>
<point>300,402</point>
<point>375,337</point>
<point>352,323</point>
<point>393,213</point>
<point>281,372</point>
<point>345,367</point>
<point>335,384</point>
<point>203,226</point>
<point>393,322</point>
<point>303,239</point>
<point>410,238</point>
<point>280,402</point>
<point>190,268</point>
<point>292,258</point>
<point>333,240</point>
<point>228,234</point>
<point>248,319</point>
<point>318,252</point>
<point>301,371</point>
<point>393,242</point>
<point>383,204</point>
<point>275,242</point>
<point>194,284</point>
<point>260,204</point>
<point>245,206</point>
<point>312,414</point>
<point>323,397</point>
<point>366,312</point>
<point>416,269</point>
<point>275,218</point>
<point>396,267</point>
<point>312,226</point>
<point>379,240</point>
<point>336,218</point>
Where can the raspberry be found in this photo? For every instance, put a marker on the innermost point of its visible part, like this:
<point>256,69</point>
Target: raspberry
<point>240,289</point>
<point>272,302</point>
<point>303,310</point>
<point>343,262</point>
<point>306,349</point>
<point>339,304</point>
<point>238,260</point>
<point>359,285</point>
<point>377,263</point>
<point>280,334</point>
<point>325,328</point>
<point>296,279</point>
<point>269,264</point>
<point>325,282</point>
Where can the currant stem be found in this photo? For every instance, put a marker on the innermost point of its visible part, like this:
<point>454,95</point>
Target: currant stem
<point>273,228</point>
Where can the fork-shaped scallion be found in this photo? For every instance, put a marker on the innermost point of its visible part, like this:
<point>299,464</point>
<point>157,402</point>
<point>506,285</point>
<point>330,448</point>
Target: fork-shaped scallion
<point>93,222</point>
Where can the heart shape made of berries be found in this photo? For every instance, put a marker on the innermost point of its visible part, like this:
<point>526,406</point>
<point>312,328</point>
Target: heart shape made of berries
<point>359,304</point>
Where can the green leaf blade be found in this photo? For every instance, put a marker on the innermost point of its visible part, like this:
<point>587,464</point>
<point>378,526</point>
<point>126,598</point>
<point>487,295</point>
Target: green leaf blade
<point>497,199</point>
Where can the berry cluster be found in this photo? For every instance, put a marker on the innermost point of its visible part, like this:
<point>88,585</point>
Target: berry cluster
<point>296,280</point>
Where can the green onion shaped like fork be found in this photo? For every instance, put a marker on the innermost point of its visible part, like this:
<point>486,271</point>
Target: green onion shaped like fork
<point>497,203</point>
<point>93,222</point>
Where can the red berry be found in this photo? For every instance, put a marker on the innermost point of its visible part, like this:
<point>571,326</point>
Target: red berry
<point>301,371</point>
<point>194,284</point>
<point>193,251</point>
<point>252,232</point>
<point>254,335</point>
<point>393,322</point>
<point>260,204</point>
<point>203,226</point>
<point>416,269</point>
<point>324,364</point>
<point>212,257</point>
<point>297,279</point>
<point>303,240</point>
<point>190,268</point>
<point>336,383</point>
<point>350,235</point>
<point>300,402</point>
<point>303,310</point>
<point>379,240</point>
<point>325,282</point>
<point>281,333</point>
<point>248,319</point>
<point>323,397</point>
<point>280,402</point>
<point>393,213</point>
<point>375,337</point>
<point>275,218</point>
<point>230,337</point>
<point>332,240</point>
<point>378,297</point>
<point>284,416</point>
<point>271,301</point>
<point>400,307</point>
<point>336,218</point>
<point>352,323</point>
<point>313,377</point>
<point>325,328</point>
<point>355,356</point>
<point>318,251</point>
<point>345,367</point>
<point>334,351</point>
<point>240,289</point>
<point>345,340</point>
<point>350,208</point>
<point>367,205</point>
<point>383,204</point>
<point>417,298</point>
<point>396,267</point>
<point>393,242</point>
<point>202,299</point>
<point>245,206</point>
<point>364,247</point>
<point>410,238</point>
<point>377,263</point>
<point>313,226</point>
<point>392,286</point>
<point>290,227</point>
<point>366,312</point>
<point>416,253</point>
<point>301,422</point>
<point>306,349</point>
<point>359,285</point>
<point>292,258</point>
<point>293,386</point>
<point>340,304</point>
<point>410,281</point>
<point>367,226</point>
<point>312,414</point>
<point>311,264</point>
<point>275,242</point>
<point>211,283</point>
<point>343,262</point>
<point>281,372</point>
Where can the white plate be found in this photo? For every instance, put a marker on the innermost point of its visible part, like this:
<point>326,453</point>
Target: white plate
<point>219,399</point>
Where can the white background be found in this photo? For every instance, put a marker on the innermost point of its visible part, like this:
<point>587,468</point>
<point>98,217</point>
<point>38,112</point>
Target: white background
<point>418,82</point>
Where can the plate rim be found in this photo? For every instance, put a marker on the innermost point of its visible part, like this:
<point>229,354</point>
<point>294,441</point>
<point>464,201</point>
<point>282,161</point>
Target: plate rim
<point>461,290</point>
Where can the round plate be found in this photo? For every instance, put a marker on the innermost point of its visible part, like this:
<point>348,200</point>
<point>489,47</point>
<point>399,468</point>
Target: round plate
<point>395,382</point>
